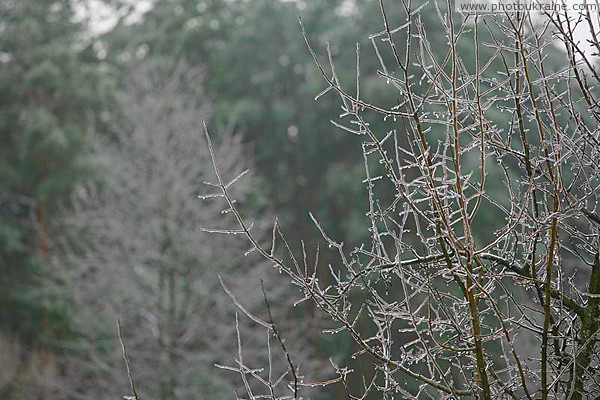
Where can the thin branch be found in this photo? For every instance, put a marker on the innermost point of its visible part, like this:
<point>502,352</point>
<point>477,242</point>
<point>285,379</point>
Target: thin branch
<point>127,365</point>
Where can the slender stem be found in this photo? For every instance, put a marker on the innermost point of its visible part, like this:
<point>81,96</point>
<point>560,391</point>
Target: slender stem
<point>127,363</point>
<point>590,325</point>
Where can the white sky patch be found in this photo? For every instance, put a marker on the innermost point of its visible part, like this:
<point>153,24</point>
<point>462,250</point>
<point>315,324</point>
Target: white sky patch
<point>101,17</point>
<point>583,33</point>
<point>347,8</point>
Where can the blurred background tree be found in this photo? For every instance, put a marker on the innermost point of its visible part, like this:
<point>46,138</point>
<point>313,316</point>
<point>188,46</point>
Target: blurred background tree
<point>146,257</point>
<point>52,92</point>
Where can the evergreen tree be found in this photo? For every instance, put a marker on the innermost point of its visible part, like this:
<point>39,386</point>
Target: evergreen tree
<point>52,90</point>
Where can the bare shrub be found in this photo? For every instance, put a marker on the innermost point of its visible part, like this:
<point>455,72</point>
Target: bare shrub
<point>481,277</point>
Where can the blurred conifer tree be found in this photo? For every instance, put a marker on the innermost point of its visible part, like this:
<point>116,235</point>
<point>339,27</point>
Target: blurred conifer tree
<point>52,92</point>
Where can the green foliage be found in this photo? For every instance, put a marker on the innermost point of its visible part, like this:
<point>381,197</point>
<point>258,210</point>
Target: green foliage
<point>51,91</point>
